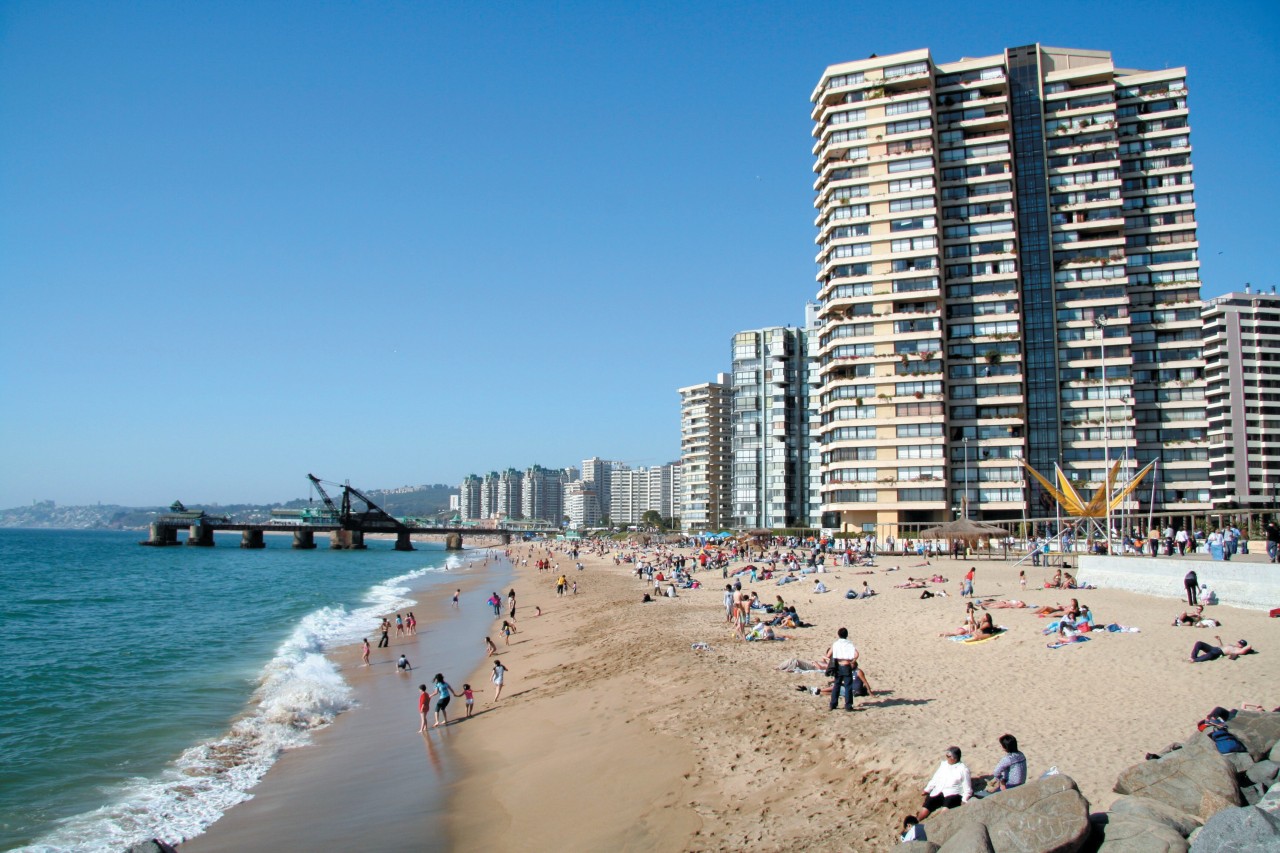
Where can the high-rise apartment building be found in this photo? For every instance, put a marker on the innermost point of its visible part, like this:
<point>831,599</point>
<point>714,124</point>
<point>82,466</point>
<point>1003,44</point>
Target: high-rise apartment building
<point>1242,368</point>
<point>507,494</point>
<point>469,504</point>
<point>705,455</point>
<point>771,438</point>
<point>542,494</point>
<point>642,490</point>
<point>596,471</point>
<point>1007,269</point>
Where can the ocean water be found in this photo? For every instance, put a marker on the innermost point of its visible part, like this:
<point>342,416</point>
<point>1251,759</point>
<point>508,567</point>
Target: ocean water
<point>145,690</point>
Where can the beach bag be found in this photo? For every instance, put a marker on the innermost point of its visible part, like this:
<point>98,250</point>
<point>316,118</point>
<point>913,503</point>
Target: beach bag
<point>1226,741</point>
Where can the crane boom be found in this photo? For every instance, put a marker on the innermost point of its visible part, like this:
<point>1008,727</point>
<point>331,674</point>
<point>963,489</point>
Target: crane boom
<point>324,496</point>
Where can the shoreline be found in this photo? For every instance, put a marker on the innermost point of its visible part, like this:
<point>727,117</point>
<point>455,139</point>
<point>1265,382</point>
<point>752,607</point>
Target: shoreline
<point>354,779</point>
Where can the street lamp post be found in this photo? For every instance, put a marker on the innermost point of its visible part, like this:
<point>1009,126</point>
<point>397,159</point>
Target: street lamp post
<point>1100,321</point>
<point>964,504</point>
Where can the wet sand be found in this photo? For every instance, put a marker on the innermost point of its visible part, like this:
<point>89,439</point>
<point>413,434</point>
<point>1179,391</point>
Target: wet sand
<point>370,778</point>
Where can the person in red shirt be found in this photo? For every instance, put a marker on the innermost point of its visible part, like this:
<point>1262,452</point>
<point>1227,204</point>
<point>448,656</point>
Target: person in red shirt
<point>422,706</point>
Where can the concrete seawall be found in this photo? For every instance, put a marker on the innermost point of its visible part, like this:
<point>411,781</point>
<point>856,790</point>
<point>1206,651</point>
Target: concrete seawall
<point>1254,585</point>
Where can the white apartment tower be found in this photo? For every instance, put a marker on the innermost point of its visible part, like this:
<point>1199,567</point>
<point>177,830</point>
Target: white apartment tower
<point>771,428</point>
<point>542,494</point>
<point>596,471</point>
<point>469,503</point>
<point>1242,367</point>
<point>705,455</point>
<point>1007,269</point>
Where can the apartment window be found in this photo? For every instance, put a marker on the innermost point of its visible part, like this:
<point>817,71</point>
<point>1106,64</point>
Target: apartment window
<point>920,495</point>
<point>846,116</point>
<point>846,80</point>
<point>892,71</point>
<point>978,229</point>
<point>906,389</point>
<point>859,433</point>
<point>850,250</point>
<point>909,126</point>
<point>913,285</point>
<point>900,205</point>
<point>920,472</point>
<point>849,211</point>
<point>902,185</point>
<point>852,134</point>
<point>852,496</point>
<point>911,164</point>
<point>919,105</point>
<point>920,451</point>
<point>914,264</point>
<point>913,244</point>
<point>919,430</point>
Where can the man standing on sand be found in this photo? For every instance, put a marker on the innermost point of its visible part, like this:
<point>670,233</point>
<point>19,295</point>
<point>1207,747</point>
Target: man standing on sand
<point>1273,542</point>
<point>845,654</point>
<point>385,627</point>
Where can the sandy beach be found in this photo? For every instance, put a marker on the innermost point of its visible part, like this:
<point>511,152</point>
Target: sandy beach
<point>613,733</point>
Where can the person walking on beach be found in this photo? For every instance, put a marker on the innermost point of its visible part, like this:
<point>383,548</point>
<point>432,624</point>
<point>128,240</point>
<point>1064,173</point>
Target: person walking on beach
<point>364,651</point>
<point>490,648</point>
<point>496,603</point>
<point>411,624</point>
<point>498,675</point>
<point>506,633</point>
<point>966,586</point>
<point>385,627</point>
<point>442,693</point>
<point>468,698</point>
<point>456,593</point>
<point>399,626</point>
<point>511,604</point>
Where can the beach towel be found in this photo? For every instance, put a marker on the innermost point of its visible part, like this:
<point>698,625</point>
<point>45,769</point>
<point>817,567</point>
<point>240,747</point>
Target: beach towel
<point>972,640</point>
<point>1072,642</point>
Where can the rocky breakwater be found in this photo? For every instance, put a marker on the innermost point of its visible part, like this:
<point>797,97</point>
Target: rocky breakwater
<point>1191,797</point>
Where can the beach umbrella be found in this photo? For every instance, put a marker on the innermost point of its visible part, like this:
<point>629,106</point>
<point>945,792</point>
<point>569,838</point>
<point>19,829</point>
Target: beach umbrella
<point>963,528</point>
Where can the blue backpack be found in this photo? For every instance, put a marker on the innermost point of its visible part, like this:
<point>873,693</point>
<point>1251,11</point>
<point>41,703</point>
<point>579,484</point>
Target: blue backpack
<point>1226,741</point>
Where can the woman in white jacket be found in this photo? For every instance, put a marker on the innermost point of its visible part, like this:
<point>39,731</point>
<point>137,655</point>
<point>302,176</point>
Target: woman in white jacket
<point>950,786</point>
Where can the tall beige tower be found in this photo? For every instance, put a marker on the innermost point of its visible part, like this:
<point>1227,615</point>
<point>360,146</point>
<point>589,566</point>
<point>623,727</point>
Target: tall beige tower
<point>1007,269</point>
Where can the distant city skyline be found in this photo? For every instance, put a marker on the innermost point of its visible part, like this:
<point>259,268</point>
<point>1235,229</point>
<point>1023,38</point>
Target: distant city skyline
<point>410,243</point>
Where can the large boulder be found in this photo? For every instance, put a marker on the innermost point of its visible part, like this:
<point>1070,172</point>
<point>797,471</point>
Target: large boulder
<point>1048,815</point>
<point>1239,831</point>
<point>1258,731</point>
<point>916,847</point>
<point>1128,833</point>
<point>1264,772</point>
<point>970,838</point>
<point>1194,781</point>
<point>1145,808</point>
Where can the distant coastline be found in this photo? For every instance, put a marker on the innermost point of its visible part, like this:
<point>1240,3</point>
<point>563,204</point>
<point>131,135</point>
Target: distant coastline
<point>47,515</point>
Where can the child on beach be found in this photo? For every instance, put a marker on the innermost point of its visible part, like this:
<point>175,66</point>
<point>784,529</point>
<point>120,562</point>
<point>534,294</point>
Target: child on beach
<point>506,632</point>
<point>1022,580</point>
<point>422,707</point>
<point>456,593</point>
<point>490,647</point>
<point>364,652</point>
<point>468,697</point>
<point>499,674</point>
<point>403,664</point>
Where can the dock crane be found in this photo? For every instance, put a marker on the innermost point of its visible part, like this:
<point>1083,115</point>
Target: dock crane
<point>356,521</point>
<point>324,496</point>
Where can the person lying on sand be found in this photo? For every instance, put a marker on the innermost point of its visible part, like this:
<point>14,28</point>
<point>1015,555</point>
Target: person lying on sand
<point>1203,652</point>
<point>1047,610</point>
<point>1189,617</point>
<point>911,584</point>
<point>1011,603</point>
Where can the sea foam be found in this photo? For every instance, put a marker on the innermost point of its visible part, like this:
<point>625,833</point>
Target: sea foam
<point>299,690</point>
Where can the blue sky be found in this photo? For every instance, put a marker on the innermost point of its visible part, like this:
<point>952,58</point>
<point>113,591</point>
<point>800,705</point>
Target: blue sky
<point>403,242</point>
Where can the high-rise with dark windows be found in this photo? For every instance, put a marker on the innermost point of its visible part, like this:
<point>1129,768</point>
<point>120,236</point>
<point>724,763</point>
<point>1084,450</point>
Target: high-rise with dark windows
<point>1007,270</point>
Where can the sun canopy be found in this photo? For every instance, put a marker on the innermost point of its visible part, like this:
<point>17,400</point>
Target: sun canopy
<point>962,528</point>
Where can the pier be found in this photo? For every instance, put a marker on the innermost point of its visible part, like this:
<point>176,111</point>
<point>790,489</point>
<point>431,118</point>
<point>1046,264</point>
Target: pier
<point>346,526</point>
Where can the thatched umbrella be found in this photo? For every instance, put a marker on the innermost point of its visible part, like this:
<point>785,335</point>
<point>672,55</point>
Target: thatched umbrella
<point>963,528</point>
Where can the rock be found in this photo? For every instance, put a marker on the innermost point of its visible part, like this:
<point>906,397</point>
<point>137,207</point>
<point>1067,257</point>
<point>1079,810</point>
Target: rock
<point>1252,794</point>
<point>1047,814</point>
<point>1274,754</point>
<point>1146,808</point>
<point>1258,731</point>
<point>1190,780</point>
<point>972,837</point>
<point>1238,831</point>
<point>1241,761</point>
<point>1127,833</point>
<point>916,847</point>
<point>1264,772</point>
<point>155,845</point>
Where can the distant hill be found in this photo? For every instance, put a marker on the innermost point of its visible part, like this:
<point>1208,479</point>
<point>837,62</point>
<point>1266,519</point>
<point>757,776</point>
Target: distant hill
<point>418,501</point>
